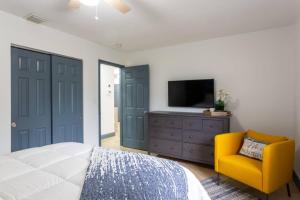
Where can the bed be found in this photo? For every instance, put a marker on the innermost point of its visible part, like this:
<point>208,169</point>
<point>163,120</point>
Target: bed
<point>57,172</point>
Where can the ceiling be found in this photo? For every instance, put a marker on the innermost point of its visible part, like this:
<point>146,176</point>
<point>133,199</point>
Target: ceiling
<point>156,23</point>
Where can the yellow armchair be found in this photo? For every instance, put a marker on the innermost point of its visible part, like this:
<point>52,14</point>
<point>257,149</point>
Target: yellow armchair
<point>274,171</point>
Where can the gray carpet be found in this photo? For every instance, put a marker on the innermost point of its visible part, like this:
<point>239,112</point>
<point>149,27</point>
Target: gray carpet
<point>226,190</point>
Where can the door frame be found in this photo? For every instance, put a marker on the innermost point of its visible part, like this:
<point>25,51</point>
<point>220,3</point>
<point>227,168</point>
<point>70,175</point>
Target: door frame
<point>99,97</point>
<point>44,52</point>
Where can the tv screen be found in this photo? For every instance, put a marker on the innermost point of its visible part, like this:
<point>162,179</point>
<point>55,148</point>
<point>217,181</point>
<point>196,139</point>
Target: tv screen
<point>191,93</point>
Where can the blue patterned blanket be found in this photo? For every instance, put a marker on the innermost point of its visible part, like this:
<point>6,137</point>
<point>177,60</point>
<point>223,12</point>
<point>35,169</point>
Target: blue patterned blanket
<point>118,175</point>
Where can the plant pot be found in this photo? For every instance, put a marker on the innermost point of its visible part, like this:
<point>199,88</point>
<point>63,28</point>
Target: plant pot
<point>220,106</point>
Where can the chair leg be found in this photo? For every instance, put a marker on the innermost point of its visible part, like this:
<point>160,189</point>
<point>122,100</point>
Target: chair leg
<point>218,178</point>
<point>288,190</point>
<point>267,196</point>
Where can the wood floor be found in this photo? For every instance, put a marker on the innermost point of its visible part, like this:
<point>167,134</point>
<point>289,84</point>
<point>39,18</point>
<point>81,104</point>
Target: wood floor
<point>203,171</point>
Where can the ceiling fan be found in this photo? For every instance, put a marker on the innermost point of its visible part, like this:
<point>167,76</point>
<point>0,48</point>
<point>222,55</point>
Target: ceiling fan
<point>116,4</point>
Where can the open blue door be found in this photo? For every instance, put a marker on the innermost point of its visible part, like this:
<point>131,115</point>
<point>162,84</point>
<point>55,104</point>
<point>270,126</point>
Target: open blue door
<point>67,100</point>
<point>31,99</point>
<point>135,100</point>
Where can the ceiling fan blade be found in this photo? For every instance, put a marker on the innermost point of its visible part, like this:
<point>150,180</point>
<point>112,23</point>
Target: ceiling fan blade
<point>119,5</point>
<point>74,4</point>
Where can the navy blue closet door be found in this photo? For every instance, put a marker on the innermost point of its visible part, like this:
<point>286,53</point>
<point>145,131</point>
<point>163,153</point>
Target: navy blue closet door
<point>135,100</point>
<point>67,111</point>
<point>31,99</point>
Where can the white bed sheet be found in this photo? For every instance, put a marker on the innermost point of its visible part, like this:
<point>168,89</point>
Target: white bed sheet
<point>57,172</point>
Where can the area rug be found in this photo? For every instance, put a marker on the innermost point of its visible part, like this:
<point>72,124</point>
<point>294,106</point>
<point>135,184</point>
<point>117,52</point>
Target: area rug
<point>226,190</point>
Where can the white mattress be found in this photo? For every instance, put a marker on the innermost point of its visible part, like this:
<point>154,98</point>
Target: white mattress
<point>56,172</point>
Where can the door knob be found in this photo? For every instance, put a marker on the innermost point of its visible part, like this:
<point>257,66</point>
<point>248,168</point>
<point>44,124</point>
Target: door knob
<point>13,124</point>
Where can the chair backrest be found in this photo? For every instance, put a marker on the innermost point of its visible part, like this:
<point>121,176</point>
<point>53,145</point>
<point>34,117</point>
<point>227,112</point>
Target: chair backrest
<point>265,137</point>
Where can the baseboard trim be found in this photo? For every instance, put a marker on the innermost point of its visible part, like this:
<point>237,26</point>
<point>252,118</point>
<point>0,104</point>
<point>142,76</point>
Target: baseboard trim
<point>108,135</point>
<point>296,180</point>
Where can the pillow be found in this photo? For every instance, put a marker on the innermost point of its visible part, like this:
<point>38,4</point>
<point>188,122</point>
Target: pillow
<point>253,148</point>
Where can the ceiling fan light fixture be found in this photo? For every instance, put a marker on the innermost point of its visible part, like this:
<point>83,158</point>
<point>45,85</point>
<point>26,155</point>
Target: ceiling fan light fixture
<point>89,2</point>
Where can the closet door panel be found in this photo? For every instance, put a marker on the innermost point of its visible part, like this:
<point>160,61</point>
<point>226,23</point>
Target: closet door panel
<point>31,99</point>
<point>67,111</point>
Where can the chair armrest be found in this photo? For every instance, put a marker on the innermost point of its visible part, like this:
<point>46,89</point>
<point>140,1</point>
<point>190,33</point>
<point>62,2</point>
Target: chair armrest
<point>278,163</point>
<point>227,144</point>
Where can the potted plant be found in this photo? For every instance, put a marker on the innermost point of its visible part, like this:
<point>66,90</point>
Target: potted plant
<point>222,97</point>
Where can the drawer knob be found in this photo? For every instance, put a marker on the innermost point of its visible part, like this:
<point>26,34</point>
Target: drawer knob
<point>190,137</point>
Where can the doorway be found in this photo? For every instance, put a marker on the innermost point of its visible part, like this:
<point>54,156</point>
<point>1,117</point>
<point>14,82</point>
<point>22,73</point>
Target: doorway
<point>110,104</point>
<point>123,106</point>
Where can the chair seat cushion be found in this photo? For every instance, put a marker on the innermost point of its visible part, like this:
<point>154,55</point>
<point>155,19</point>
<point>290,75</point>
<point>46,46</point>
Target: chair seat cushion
<point>243,169</point>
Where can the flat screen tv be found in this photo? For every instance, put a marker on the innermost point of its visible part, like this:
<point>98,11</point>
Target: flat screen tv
<point>191,93</point>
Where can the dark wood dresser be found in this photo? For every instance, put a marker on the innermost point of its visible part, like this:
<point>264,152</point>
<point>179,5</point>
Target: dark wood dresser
<point>187,136</point>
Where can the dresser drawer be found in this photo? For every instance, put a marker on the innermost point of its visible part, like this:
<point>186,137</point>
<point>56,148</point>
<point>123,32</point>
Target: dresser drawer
<point>198,153</point>
<point>214,126</point>
<point>165,147</point>
<point>192,123</point>
<point>166,122</point>
<point>157,121</point>
<point>166,133</point>
<point>173,122</point>
<point>198,137</point>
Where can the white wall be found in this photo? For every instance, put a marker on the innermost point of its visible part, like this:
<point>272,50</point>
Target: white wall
<point>256,68</point>
<point>107,100</point>
<point>297,135</point>
<point>18,31</point>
